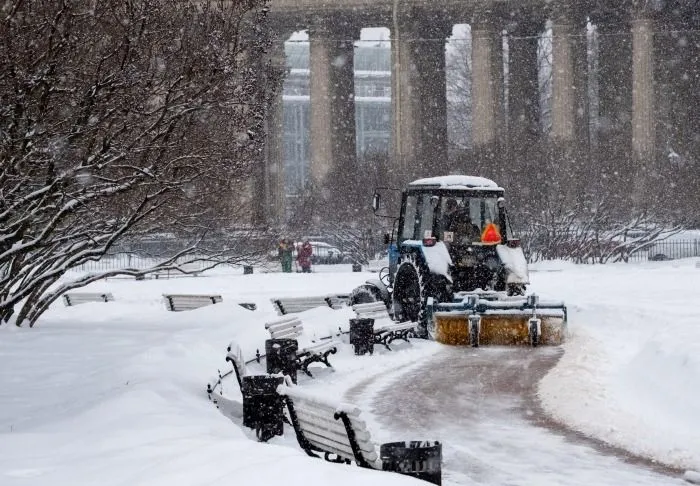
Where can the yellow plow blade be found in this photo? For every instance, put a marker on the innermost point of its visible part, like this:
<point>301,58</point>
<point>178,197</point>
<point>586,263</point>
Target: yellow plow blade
<point>503,329</point>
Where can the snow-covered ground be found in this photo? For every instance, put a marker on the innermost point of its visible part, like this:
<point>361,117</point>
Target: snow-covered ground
<point>114,393</point>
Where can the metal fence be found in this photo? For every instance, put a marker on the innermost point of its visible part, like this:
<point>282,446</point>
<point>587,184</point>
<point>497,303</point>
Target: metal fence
<point>143,258</point>
<point>668,250</point>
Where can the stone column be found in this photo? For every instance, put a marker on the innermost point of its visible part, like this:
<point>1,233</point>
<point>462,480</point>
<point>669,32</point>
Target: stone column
<point>563,81</point>
<point>519,169</point>
<point>332,98</point>
<point>523,86</point>
<point>642,89</point>
<point>487,83</point>
<point>274,149</point>
<point>419,100</point>
<point>615,87</point>
<point>569,152</point>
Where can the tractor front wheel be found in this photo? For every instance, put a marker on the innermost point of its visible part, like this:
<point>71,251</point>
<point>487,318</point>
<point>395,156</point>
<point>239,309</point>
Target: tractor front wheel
<point>413,285</point>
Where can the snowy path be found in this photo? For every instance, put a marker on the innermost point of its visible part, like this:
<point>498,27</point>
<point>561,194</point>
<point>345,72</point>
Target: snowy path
<point>480,403</point>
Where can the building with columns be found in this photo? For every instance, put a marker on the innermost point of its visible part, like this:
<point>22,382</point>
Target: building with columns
<point>609,65</point>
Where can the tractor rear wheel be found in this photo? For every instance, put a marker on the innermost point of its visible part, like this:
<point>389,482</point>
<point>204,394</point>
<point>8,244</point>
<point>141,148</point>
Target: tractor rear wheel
<point>413,285</point>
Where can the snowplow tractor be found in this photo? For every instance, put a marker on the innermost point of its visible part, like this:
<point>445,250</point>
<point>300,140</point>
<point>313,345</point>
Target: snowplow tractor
<point>456,268</point>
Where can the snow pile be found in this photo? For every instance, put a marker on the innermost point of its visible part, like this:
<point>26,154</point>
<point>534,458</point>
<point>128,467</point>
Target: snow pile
<point>631,371</point>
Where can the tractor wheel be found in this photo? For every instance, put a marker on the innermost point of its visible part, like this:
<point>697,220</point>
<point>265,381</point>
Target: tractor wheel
<point>363,295</point>
<point>413,285</point>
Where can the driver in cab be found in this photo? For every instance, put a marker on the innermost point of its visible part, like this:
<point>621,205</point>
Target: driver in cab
<point>457,227</point>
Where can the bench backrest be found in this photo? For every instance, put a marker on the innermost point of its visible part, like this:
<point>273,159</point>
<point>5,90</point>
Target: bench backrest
<point>293,305</point>
<point>371,310</point>
<point>75,298</point>
<point>322,424</point>
<point>287,327</point>
<point>183,302</point>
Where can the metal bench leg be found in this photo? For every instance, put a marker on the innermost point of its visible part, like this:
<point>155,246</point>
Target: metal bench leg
<point>382,341</point>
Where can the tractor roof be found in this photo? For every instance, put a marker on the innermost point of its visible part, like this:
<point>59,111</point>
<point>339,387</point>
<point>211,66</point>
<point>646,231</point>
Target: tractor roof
<point>456,182</point>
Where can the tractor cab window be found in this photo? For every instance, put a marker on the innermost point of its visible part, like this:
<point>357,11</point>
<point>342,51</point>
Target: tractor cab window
<point>418,219</point>
<point>464,219</point>
<point>411,218</point>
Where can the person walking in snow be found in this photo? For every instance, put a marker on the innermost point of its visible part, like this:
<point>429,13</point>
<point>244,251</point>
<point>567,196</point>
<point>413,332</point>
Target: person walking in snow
<point>284,251</point>
<point>304,257</point>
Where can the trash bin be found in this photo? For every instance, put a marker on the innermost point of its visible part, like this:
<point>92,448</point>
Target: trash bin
<point>356,267</point>
<point>280,355</point>
<point>262,405</point>
<point>420,459</point>
<point>362,335</point>
<point>247,269</point>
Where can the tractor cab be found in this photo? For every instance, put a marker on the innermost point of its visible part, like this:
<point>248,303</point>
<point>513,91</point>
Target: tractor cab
<point>464,215</point>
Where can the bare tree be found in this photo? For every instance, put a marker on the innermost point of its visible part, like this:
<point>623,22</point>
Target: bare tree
<point>121,118</point>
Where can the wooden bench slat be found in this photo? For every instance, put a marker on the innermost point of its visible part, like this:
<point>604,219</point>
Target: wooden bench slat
<point>344,449</point>
<point>293,305</point>
<point>326,414</point>
<point>337,438</point>
<point>75,298</point>
<point>180,302</point>
<point>328,424</point>
<point>319,347</point>
<point>396,326</point>
<point>329,448</point>
<point>369,307</point>
<point>280,326</point>
<point>288,334</point>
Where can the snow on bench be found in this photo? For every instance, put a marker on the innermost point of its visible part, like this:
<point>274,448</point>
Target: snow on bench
<point>294,305</point>
<point>385,329</point>
<point>329,427</point>
<point>336,430</point>
<point>75,298</point>
<point>183,302</point>
<point>291,327</point>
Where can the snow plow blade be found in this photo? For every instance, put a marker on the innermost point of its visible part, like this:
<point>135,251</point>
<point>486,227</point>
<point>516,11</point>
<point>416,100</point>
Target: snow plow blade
<point>509,322</point>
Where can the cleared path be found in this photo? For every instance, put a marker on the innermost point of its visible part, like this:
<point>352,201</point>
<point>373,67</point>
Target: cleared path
<point>481,403</point>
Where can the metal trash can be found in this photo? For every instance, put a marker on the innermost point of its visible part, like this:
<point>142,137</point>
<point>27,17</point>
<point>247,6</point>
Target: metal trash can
<point>356,267</point>
<point>420,459</point>
<point>262,405</point>
<point>280,355</point>
<point>362,335</point>
<point>247,269</point>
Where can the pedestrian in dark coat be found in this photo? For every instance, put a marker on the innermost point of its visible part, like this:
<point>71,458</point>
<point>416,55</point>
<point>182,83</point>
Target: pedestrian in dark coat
<point>304,253</point>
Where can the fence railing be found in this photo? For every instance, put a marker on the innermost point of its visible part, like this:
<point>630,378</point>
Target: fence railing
<point>669,250</point>
<point>657,251</point>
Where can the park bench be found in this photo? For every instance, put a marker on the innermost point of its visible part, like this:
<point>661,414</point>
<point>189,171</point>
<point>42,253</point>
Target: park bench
<point>334,429</point>
<point>386,330</point>
<point>75,298</point>
<point>293,305</point>
<point>183,302</point>
<point>291,327</point>
<point>337,431</point>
